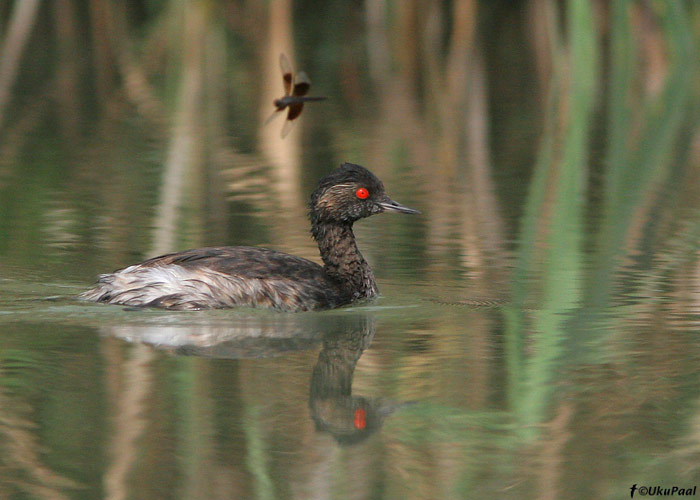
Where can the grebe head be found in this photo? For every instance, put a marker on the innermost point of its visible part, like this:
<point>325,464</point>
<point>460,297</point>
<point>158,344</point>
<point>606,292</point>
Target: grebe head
<point>350,193</point>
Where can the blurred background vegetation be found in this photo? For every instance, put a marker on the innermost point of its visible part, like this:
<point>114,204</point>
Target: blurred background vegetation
<point>156,107</point>
<point>552,146</point>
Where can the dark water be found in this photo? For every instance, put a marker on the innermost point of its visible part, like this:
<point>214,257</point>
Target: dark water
<point>538,334</point>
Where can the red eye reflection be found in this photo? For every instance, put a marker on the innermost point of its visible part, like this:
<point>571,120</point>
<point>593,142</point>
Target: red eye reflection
<point>362,193</point>
<point>360,419</point>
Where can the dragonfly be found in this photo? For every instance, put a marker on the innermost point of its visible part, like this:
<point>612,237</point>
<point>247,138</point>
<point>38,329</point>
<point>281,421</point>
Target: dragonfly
<point>295,89</point>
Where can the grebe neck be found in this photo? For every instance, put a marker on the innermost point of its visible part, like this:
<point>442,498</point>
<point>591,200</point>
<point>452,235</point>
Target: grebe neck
<point>342,259</point>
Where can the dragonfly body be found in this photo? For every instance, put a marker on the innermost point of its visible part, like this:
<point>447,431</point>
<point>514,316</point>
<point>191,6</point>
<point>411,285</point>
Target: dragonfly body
<point>289,100</point>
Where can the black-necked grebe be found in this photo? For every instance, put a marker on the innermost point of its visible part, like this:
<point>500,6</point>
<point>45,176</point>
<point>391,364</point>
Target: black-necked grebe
<point>223,277</point>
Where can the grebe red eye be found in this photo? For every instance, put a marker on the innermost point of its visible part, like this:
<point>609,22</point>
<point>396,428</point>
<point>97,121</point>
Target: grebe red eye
<point>362,193</point>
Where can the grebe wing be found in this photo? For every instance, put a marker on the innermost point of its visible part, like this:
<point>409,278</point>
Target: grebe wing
<point>222,277</point>
<point>246,262</point>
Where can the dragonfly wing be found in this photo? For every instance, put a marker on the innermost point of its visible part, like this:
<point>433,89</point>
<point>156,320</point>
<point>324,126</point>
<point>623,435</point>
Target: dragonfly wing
<point>295,110</point>
<point>302,84</point>
<point>287,77</point>
<point>275,114</point>
<point>287,127</point>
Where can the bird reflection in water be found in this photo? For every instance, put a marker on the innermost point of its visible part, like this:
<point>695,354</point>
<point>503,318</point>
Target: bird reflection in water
<point>334,410</point>
<point>349,419</point>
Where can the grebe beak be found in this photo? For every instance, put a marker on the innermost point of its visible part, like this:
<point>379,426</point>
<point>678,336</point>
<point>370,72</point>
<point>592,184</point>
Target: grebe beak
<point>389,205</point>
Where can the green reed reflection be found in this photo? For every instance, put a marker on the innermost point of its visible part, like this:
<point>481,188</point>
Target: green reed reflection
<point>257,458</point>
<point>556,207</point>
<point>641,145</point>
<point>640,151</point>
